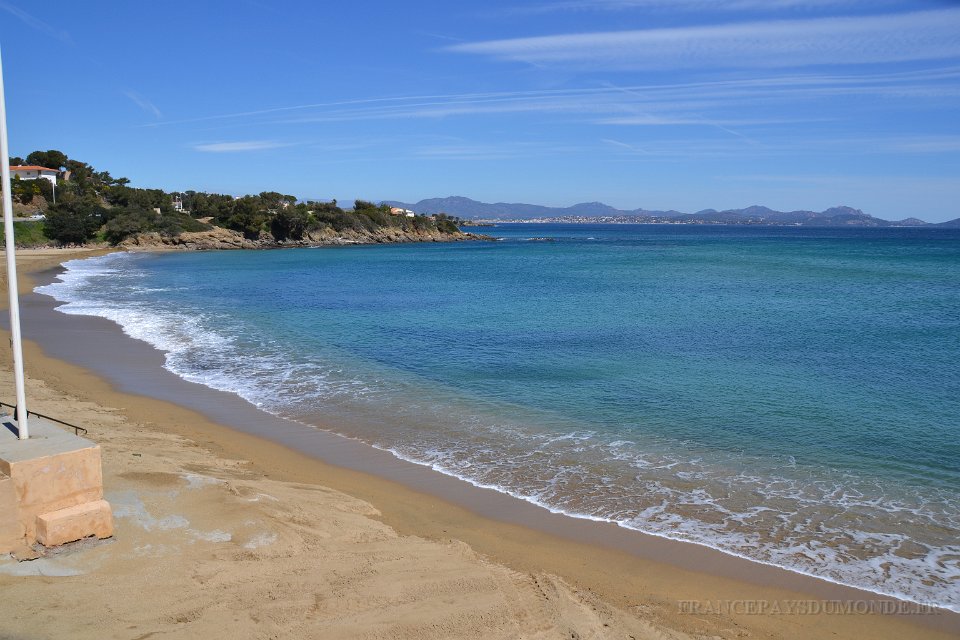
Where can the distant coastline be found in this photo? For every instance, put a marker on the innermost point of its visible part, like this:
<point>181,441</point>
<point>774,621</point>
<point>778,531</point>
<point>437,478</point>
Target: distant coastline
<point>492,222</point>
<point>476,212</point>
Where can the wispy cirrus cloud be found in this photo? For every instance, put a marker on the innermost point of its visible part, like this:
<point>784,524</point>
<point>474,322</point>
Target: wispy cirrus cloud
<point>239,146</point>
<point>36,23</point>
<point>780,145</point>
<point>922,35</point>
<point>924,144</point>
<point>466,150</point>
<point>769,115</point>
<point>297,107</point>
<point>718,100</point>
<point>741,102</point>
<point>626,147</point>
<point>648,120</point>
<point>143,103</point>
<point>693,5</point>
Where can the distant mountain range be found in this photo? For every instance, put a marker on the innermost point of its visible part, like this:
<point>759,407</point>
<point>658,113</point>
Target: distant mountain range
<point>600,212</point>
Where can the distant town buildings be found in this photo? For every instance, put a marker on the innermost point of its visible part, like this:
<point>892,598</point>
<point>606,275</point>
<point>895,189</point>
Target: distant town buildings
<point>397,211</point>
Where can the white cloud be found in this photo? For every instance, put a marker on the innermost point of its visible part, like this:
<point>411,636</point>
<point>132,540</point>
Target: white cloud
<point>246,145</point>
<point>923,35</point>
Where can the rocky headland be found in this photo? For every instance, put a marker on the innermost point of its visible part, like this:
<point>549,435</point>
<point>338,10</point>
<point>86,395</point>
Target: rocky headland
<point>219,238</point>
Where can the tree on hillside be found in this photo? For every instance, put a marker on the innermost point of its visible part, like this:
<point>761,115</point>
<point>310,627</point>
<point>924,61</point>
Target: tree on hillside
<point>246,216</point>
<point>203,205</point>
<point>120,195</point>
<point>363,205</point>
<point>134,220</point>
<point>289,224</point>
<point>51,159</point>
<point>276,200</point>
<point>73,221</point>
<point>326,207</point>
<point>104,178</point>
<point>82,179</point>
<point>446,223</point>
<point>127,222</point>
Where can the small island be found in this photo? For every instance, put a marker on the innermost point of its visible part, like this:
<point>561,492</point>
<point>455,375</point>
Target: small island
<point>60,201</point>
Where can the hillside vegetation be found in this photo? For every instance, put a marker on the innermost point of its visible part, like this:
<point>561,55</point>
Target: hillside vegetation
<point>93,206</point>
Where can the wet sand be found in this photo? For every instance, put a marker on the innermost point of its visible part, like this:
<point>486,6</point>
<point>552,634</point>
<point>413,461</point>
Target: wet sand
<point>663,586</point>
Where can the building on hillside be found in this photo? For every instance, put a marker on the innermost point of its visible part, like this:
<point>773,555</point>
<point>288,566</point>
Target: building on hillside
<point>397,211</point>
<point>32,172</point>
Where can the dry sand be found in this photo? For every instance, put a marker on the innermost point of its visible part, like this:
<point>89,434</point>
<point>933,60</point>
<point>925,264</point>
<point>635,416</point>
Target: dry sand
<point>221,534</point>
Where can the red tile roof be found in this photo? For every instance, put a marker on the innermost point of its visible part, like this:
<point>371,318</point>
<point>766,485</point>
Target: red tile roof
<point>31,167</point>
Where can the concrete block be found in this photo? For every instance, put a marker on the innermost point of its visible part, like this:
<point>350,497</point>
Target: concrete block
<point>75,523</point>
<point>54,482</point>
<point>50,471</point>
<point>11,531</point>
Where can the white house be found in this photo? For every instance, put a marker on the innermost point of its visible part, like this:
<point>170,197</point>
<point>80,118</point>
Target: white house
<point>32,172</point>
<point>397,211</point>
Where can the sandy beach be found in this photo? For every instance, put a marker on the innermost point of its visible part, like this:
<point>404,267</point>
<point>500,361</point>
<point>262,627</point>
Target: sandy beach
<point>220,533</point>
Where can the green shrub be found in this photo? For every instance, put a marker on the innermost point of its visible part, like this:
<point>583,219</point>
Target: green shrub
<point>128,223</point>
<point>289,224</point>
<point>447,226</point>
<point>246,216</point>
<point>174,223</point>
<point>24,191</point>
<point>133,220</point>
<point>72,223</point>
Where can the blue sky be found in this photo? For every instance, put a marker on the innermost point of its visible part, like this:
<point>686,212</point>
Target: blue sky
<point>682,104</point>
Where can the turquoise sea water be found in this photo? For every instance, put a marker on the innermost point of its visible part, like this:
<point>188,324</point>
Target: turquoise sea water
<point>790,395</point>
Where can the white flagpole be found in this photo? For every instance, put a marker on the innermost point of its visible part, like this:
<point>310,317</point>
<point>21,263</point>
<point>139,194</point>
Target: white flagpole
<point>15,340</point>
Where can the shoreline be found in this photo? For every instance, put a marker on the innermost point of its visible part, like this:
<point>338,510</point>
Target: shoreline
<point>626,568</point>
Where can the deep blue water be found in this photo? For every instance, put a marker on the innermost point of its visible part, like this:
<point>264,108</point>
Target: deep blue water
<point>786,394</point>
